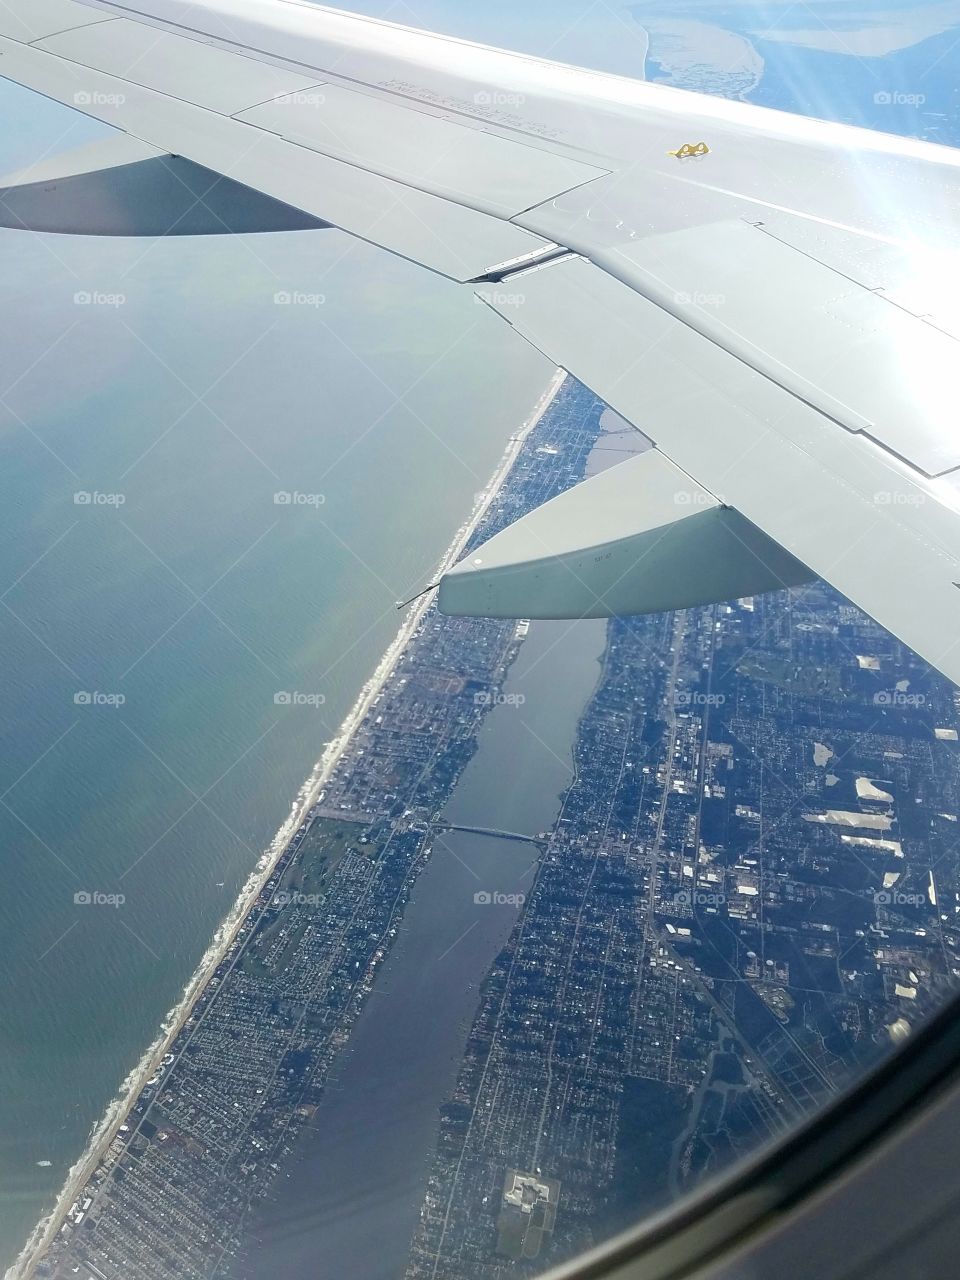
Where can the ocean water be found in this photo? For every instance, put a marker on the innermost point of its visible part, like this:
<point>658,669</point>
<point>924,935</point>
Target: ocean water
<point>147,632</point>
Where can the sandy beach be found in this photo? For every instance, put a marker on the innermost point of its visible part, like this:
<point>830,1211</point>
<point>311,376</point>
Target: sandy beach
<point>105,1131</point>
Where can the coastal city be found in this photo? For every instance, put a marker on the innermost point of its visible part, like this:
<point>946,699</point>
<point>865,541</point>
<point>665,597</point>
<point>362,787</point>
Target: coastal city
<point>748,897</point>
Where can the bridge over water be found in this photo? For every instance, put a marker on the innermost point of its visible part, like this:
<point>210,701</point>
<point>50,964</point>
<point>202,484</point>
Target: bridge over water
<point>490,831</point>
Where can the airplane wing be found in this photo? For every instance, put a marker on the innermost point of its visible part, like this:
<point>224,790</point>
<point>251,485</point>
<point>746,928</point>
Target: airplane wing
<point>772,300</point>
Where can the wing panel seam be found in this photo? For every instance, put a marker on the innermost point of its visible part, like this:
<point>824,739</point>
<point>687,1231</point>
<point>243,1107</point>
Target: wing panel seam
<point>52,35</point>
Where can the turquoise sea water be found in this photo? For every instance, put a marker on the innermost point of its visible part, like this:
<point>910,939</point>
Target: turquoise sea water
<point>197,600</point>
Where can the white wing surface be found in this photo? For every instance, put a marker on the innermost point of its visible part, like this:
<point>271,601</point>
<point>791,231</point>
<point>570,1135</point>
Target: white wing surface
<point>774,301</point>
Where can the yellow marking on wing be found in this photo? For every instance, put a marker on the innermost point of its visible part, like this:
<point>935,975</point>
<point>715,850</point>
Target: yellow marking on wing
<point>690,149</point>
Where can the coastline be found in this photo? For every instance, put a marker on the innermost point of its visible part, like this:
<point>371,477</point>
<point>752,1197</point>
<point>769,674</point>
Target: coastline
<point>106,1129</point>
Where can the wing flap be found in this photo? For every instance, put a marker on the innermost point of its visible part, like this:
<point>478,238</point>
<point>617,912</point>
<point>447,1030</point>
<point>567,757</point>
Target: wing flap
<point>122,187</point>
<point>449,159</point>
<point>641,537</point>
<point>886,536</point>
<point>823,336</point>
